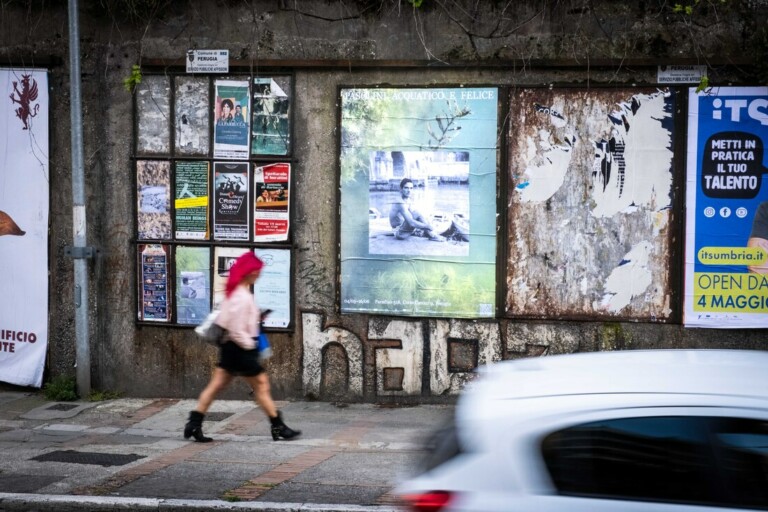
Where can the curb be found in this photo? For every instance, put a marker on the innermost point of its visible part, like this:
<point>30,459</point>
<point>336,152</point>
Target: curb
<point>66,503</point>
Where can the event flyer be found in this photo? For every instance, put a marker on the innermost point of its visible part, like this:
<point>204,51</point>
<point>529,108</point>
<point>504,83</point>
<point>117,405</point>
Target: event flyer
<point>231,123</point>
<point>726,260</point>
<point>154,283</point>
<point>191,205</point>
<point>193,284</point>
<point>271,206</point>
<point>231,215</point>
<point>273,288</point>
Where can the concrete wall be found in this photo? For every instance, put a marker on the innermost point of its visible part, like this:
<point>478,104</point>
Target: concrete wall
<point>328,45</point>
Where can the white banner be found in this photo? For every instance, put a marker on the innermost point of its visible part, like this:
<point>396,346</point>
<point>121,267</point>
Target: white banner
<point>24,185</point>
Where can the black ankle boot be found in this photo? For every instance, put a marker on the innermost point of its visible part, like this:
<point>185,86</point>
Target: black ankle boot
<point>194,427</point>
<point>280,429</point>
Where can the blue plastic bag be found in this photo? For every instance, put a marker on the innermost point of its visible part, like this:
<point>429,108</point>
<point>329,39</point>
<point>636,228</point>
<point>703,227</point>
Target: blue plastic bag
<point>265,350</point>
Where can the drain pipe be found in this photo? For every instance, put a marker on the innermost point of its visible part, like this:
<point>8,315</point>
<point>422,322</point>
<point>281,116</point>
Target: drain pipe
<point>79,252</point>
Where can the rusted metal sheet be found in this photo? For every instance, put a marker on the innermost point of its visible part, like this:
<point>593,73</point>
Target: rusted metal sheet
<point>590,203</point>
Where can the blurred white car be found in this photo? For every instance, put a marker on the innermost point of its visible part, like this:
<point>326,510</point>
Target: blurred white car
<point>656,430</point>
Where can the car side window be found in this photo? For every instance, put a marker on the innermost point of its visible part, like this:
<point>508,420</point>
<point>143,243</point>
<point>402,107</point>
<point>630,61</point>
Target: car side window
<point>741,448</point>
<point>666,459</point>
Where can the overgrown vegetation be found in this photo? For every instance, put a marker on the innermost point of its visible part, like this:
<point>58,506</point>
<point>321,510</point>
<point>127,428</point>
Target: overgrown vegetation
<point>61,389</point>
<point>101,396</point>
<point>133,80</point>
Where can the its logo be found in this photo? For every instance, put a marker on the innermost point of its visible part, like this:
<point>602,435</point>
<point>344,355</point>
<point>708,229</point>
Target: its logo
<point>24,98</point>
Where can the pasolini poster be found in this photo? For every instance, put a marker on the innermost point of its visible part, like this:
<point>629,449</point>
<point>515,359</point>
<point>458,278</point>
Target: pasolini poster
<point>590,197</point>
<point>24,179</point>
<point>418,201</point>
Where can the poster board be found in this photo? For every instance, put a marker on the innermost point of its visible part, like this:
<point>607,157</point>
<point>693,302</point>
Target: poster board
<point>726,238</point>
<point>24,210</point>
<point>418,201</point>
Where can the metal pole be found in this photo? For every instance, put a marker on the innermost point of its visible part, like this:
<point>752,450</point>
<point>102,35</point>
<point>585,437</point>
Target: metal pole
<point>79,254</point>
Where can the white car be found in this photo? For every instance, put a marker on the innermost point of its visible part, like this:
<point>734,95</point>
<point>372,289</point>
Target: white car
<point>650,430</point>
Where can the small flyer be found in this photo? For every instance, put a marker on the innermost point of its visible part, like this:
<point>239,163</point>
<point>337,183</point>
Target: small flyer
<point>273,288</point>
<point>191,204</point>
<point>231,124</point>
<point>154,283</point>
<point>271,206</point>
<point>231,215</point>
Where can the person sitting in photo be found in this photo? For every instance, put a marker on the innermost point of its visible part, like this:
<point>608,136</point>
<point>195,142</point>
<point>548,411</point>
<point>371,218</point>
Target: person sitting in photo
<point>406,220</point>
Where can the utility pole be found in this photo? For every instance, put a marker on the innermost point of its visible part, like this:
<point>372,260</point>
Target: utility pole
<point>79,251</point>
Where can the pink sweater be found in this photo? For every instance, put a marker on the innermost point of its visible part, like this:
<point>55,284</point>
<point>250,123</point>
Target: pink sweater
<point>240,316</point>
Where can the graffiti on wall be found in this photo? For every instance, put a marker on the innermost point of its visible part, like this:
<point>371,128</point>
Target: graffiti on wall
<point>404,357</point>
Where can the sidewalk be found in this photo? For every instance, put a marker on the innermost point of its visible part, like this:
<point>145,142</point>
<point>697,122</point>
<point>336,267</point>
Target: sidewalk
<point>130,454</point>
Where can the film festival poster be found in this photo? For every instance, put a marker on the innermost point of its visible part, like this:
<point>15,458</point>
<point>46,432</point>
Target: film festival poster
<point>231,123</point>
<point>272,202</point>
<point>193,284</point>
<point>423,154</point>
<point>191,204</point>
<point>231,214</point>
<point>154,301</point>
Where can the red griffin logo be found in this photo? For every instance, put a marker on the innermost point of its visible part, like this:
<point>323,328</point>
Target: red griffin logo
<point>26,96</point>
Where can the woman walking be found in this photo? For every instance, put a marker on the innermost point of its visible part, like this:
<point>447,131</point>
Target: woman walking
<point>241,319</point>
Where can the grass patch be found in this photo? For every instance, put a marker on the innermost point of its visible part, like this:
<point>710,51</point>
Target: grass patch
<point>61,389</point>
<point>100,396</point>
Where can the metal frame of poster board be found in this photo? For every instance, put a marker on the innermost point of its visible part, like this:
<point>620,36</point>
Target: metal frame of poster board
<point>444,140</point>
<point>177,112</point>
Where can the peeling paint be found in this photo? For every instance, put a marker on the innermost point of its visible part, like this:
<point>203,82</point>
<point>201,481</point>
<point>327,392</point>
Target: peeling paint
<point>636,172</point>
<point>488,340</point>
<point>410,357</point>
<point>629,279</point>
<point>608,191</point>
<point>315,339</point>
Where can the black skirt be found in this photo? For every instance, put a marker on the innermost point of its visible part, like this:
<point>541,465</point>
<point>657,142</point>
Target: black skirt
<point>238,361</point>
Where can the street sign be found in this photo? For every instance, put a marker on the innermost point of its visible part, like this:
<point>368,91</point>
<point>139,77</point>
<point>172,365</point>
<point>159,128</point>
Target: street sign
<point>681,74</point>
<point>208,61</point>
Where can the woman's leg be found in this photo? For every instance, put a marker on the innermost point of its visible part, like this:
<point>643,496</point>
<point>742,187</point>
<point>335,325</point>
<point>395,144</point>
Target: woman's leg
<point>262,393</point>
<point>263,396</point>
<point>219,381</point>
<point>194,427</point>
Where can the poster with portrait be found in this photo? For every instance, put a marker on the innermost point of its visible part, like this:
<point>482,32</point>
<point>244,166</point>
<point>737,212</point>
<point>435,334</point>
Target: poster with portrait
<point>223,259</point>
<point>231,122</point>
<point>273,288</point>
<point>24,212</point>
<point>153,183</point>
<point>271,127</point>
<point>272,204</point>
<point>726,239</point>
<point>193,284</point>
<point>154,298</point>
<point>191,204</point>
<point>231,211</point>
<point>418,201</point>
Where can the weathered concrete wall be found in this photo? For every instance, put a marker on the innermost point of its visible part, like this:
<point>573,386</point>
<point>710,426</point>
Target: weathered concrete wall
<point>330,356</point>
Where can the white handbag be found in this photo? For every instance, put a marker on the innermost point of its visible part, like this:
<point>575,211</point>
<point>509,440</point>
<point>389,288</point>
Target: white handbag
<point>209,330</point>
